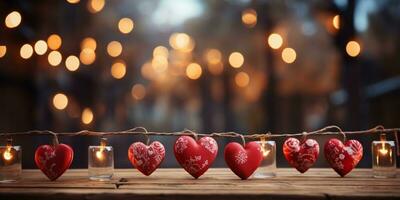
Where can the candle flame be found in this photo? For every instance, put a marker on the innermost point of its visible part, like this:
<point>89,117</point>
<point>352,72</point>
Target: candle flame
<point>99,154</point>
<point>7,155</point>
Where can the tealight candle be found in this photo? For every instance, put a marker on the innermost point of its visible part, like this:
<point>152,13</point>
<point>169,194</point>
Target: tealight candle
<point>268,165</point>
<point>10,162</point>
<point>383,158</point>
<point>101,161</point>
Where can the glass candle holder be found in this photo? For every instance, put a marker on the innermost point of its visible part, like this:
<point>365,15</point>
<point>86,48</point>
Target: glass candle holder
<point>268,165</point>
<point>10,162</point>
<point>383,158</point>
<point>101,161</point>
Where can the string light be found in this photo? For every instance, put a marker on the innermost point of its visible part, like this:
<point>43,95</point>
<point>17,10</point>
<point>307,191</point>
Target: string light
<point>249,17</point>
<point>54,42</point>
<point>353,48</point>
<point>87,116</point>
<point>288,55</point>
<point>275,40</point>
<point>193,71</point>
<point>3,50</point>
<point>13,19</point>
<point>89,43</point>
<point>125,25</point>
<point>95,6</point>
<point>26,51</point>
<point>242,79</point>
<point>236,59</point>
<point>73,1</point>
<point>114,48</point>
<point>87,56</point>
<point>72,63</point>
<point>60,101</point>
<point>40,47</point>
<point>336,22</point>
<point>138,91</point>
<point>54,58</point>
<point>118,69</point>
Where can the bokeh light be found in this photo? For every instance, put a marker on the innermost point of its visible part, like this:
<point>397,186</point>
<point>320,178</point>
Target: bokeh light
<point>87,116</point>
<point>138,91</point>
<point>193,71</point>
<point>72,63</point>
<point>160,51</point>
<point>216,69</point>
<point>95,6</point>
<point>3,50</point>
<point>289,55</point>
<point>249,17</point>
<point>213,56</point>
<point>13,19</point>
<point>159,64</point>
<point>125,25</point>
<point>26,51</point>
<point>236,59</point>
<point>54,58</point>
<point>353,48</point>
<point>275,40</point>
<point>87,56</point>
<point>89,43</point>
<point>114,48</point>
<point>73,1</point>
<point>182,42</point>
<point>54,42</point>
<point>60,101</point>
<point>242,79</point>
<point>118,69</point>
<point>40,47</point>
<point>336,22</point>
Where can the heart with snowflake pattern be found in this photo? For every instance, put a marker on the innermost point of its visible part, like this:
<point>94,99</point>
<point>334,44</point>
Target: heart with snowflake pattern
<point>301,155</point>
<point>146,158</point>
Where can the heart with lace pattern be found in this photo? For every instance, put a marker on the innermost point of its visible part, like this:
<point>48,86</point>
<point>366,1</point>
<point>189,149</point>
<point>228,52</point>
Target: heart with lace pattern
<point>301,155</point>
<point>146,158</point>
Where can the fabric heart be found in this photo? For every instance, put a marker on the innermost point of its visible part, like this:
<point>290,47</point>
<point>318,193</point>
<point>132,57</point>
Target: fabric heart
<point>195,156</point>
<point>243,161</point>
<point>301,155</point>
<point>343,157</point>
<point>53,161</point>
<point>146,158</point>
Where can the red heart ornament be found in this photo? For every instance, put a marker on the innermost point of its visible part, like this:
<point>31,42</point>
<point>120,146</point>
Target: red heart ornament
<point>243,161</point>
<point>343,157</point>
<point>301,155</point>
<point>146,158</point>
<point>53,161</point>
<point>195,156</point>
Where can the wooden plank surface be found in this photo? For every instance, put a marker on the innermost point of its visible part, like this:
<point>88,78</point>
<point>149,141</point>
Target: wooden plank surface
<point>218,183</point>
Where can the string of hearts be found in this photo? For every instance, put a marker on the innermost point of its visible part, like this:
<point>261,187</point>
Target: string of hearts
<point>197,155</point>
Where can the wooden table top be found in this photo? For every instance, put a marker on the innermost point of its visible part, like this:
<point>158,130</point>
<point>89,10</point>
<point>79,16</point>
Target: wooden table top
<point>216,183</point>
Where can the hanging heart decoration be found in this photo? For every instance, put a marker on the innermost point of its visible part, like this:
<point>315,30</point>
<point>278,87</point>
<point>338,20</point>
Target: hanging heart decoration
<point>301,155</point>
<point>146,158</point>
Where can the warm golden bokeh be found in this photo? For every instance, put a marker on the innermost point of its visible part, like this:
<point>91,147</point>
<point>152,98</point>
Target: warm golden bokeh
<point>159,64</point>
<point>72,63</point>
<point>3,50</point>
<point>95,6</point>
<point>54,42</point>
<point>114,48</point>
<point>181,42</point>
<point>216,69</point>
<point>236,59</point>
<point>213,56</point>
<point>193,71</point>
<point>242,79</point>
<point>26,51</point>
<point>60,101</point>
<point>87,116</point>
<point>73,1</point>
<point>275,40</point>
<point>125,25</point>
<point>249,17</point>
<point>40,47</point>
<point>353,48</point>
<point>87,56</point>
<point>336,22</point>
<point>160,51</point>
<point>13,19</point>
<point>118,69</point>
<point>138,91</point>
<point>54,58</point>
<point>89,43</point>
<point>289,55</point>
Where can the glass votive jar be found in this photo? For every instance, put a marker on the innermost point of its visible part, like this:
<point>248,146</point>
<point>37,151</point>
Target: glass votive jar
<point>268,165</point>
<point>383,158</point>
<point>101,161</point>
<point>10,162</point>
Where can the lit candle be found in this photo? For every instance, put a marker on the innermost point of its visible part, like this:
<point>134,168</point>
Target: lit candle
<point>384,163</point>
<point>268,165</point>
<point>10,162</point>
<point>101,161</point>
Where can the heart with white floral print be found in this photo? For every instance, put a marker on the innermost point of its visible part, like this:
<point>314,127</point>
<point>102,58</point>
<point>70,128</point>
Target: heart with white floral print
<point>301,155</point>
<point>195,156</point>
<point>243,161</point>
<point>343,157</point>
<point>146,158</point>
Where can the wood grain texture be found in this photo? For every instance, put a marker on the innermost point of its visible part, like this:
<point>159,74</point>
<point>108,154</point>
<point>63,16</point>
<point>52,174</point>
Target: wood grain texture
<point>218,183</point>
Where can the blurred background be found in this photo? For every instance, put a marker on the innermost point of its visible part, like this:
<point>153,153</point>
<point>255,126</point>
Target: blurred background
<point>209,66</point>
